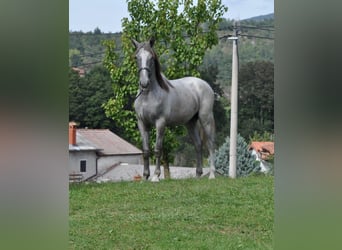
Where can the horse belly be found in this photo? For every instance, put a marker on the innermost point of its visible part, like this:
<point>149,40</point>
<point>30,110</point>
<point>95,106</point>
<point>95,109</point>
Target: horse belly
<point>182,112</point>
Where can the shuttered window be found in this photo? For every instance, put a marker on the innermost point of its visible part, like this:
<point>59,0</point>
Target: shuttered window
<point>83,165</point>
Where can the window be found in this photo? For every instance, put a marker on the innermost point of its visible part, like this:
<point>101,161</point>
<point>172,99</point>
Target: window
<point>83,165</point>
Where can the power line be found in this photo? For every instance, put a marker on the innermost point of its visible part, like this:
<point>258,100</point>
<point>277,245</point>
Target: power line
<point>261,37</point>
<point>90,63</point>
<point>117,50</point>
<point>266,28</point>
<point>230,27</point>
<point>85,64</point>
<point>97,53</point>
<point>91,54</point>
<point>225,36</point>
<point>255,27</point>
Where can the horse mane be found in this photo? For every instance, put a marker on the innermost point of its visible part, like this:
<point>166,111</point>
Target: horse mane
<point>161,79</point>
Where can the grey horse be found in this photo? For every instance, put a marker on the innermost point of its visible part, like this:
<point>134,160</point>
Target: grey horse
<point>161,102</point>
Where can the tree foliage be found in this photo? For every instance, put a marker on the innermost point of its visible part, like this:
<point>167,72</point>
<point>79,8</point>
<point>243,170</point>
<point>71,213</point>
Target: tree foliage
<point>181,41</point>
<point>86,50</point>
<point>86,95</point>
<point>246,163</point>
<point>256,98</point>
<point>251,48</point>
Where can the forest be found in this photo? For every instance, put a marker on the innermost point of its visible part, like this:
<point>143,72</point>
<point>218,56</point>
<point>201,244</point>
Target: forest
<point>88,93</point>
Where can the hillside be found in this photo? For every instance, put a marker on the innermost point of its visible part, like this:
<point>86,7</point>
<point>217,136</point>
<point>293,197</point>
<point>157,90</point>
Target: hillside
<point>86,49</point>
<point>261,17</point>
<point>256,43</point>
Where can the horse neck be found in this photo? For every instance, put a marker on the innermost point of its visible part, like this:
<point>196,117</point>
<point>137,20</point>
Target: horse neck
<point>154,81</point>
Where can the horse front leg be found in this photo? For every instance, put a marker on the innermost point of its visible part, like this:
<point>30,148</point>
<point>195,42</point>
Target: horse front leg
<point>160,127</point>
<point>144,132</point>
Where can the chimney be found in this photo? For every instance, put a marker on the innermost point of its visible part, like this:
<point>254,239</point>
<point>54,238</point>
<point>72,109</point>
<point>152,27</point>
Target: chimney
<point>72,133</point>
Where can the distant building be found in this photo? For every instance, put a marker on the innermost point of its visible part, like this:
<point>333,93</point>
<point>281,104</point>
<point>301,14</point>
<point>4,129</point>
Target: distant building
<point>82,156</point>
<point>93,151</point>
<point>81,72</point>
<point>263,151</point>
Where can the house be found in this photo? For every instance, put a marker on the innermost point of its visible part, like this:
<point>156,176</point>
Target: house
<point>92,152</point>
<point>81,72</point>
<point>82,156</point>
<point>114,148</point>
<point>263,151</point>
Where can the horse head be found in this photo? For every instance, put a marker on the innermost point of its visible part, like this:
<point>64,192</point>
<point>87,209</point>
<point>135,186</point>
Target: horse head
<point>145,58</point>
<point>149,66</point>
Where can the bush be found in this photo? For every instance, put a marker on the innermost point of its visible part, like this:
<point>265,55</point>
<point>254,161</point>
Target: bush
<point>246,163</point>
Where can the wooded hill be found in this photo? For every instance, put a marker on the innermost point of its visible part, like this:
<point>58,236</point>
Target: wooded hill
<point>256,43</point>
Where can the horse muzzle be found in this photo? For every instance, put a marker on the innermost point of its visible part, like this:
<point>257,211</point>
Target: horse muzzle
<point>144,84</point>
<point>144,75</point>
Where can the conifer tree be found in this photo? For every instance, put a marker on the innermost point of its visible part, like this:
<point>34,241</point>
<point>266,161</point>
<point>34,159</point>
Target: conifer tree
<point>246,163</point>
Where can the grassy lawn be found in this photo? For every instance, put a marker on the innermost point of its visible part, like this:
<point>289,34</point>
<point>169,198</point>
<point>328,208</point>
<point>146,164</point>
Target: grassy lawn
<point>173,214</point>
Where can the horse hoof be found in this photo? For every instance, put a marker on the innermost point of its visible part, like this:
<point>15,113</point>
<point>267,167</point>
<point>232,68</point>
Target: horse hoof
<point>155,179</point>
<point>211,176</point>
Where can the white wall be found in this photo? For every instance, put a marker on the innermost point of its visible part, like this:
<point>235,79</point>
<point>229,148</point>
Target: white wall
<point>105,162</point>
<point>75,158</point>
<point>264,165</point>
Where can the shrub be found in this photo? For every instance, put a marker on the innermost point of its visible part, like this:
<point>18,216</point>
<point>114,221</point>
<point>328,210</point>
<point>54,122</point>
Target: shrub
<point>246,163</point>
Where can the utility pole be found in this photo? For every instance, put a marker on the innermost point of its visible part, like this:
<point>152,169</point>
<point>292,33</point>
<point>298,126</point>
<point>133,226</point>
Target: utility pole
<point>234,106</point>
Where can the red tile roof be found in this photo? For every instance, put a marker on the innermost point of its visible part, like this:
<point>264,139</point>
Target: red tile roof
<point>264,148</point>
<point>81,72</point>
<point>108,141</point>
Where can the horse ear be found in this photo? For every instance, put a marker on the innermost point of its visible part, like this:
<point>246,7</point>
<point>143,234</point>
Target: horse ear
<point>135,43</point>
<point>152,40</point>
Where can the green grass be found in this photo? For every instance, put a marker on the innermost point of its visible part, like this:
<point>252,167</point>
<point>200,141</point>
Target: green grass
<point>173,214</point>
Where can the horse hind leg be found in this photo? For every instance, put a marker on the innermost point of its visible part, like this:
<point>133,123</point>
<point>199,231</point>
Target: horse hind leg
<point>208,125</point>
<point>193,130</point>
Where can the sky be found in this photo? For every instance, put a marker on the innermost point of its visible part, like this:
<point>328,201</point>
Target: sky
<point>86,15</point>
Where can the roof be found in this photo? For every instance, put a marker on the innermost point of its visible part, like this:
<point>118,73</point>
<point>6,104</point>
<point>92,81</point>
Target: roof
<point>264,148</point>
<point>110,143</point>
<point>82,144</point>
<point>81,72</point>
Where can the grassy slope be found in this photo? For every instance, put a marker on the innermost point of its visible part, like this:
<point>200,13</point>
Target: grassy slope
<point>174,214</point>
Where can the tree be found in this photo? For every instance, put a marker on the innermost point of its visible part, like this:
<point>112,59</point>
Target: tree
<point>86,96</point>
<point>97,31</point>
<point>256,98</point>
<point>76,96</point>
<point>246,163</point>
<point>181,42</point>
<point>75,58</point>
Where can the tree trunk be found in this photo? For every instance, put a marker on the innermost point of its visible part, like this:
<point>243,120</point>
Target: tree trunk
<point>166,166</point>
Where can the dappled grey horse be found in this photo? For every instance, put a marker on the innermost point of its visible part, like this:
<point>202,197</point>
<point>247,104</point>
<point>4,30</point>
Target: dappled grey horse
<point>161,102</point>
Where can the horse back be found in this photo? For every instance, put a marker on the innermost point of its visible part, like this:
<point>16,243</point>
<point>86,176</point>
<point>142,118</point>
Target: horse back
<point>193,86</point>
